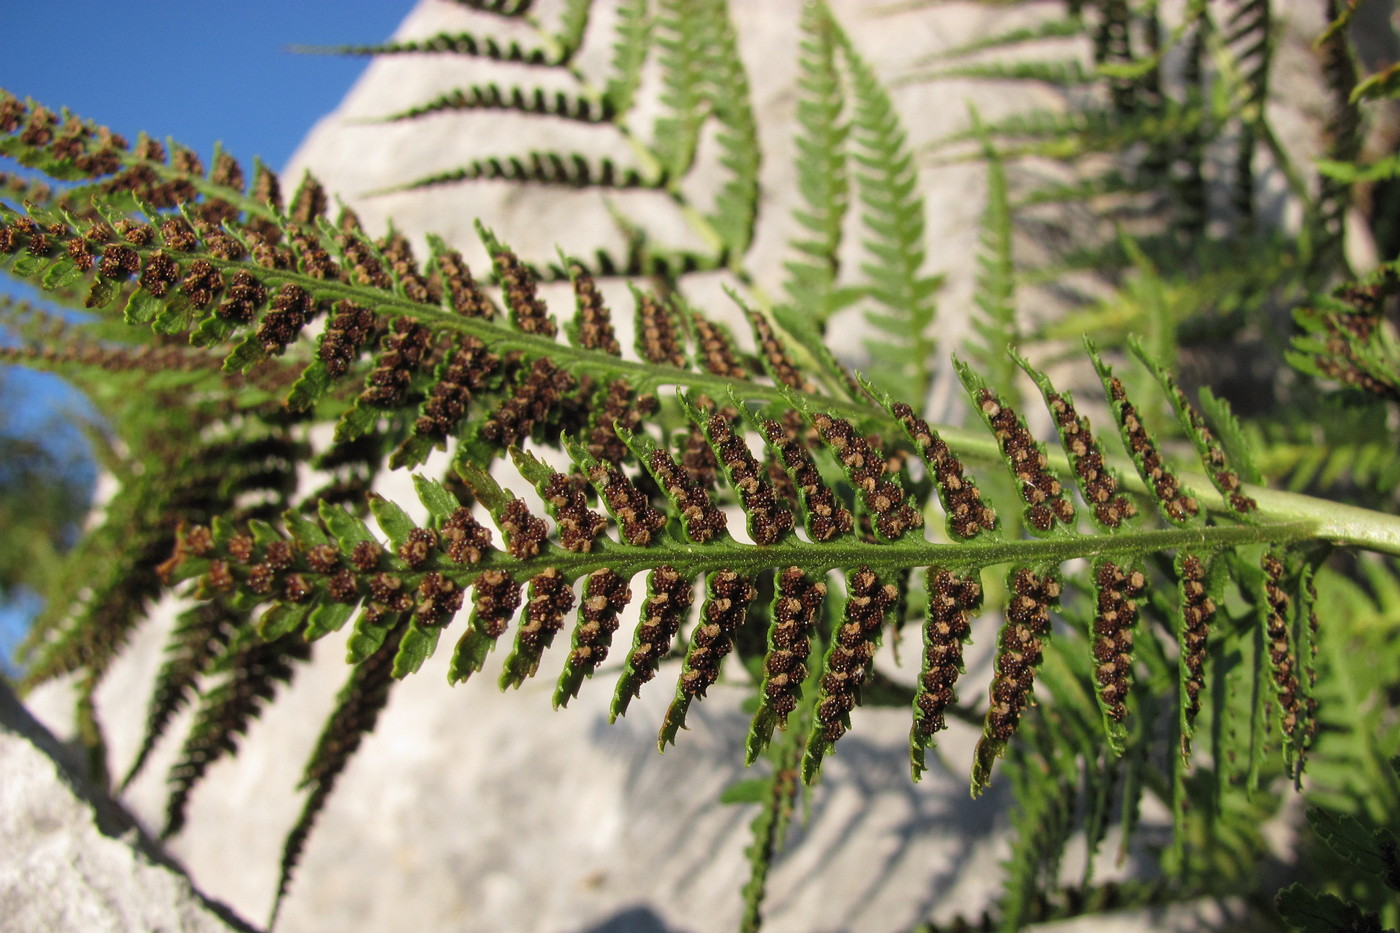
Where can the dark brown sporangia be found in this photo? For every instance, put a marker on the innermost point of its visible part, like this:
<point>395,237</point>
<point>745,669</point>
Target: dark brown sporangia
<point>418,547</point>
<point>464,539</point>
<point>854,642</point>
<point>1216,462</point>
<point>117,262</point>
<point>243,298</point>
<point>365,556</point>
<point>617,406</point>
<point>525,533</point>
<point>309,202</point>
<point>458,286</point>
<point>715,350</point>
<point>201,284</point>
<point>669,597</point>
<point>967,513</point>
<point>605,595</point>
<point>1098,485</point>
<point>865,466</point>
<point>579,526</point>
<point>697,459</point>
<point>1020,648</point>
<point>826,518</point>
<point>158,273</point>
<point>790,639</point>
<point>637,521</point>
<point>1281,655</point>
<point>1171,498</point>
<point>1114,620</point>
<point>177,236</point>
<point>313,259</point>
<point>1045,498</point>
<point>775,357</point>
<point>364,268</point>
<point>286,316</point>
<point>495,597</point>
<point>657,340</point>
<point>348,331</point>
<point>726,605</point>
<point>227,172</point>
<point>534,396</point>
<point>463,372</point>
<point>952,600</point>
<point>701,518</point>
<point>398,253</point>
<point>768,521</point>
<point>527,311</point>
<point>438,599</point>
<point>593,323</point>
<point>402,352</point>
<point>549,600</point>
<point>266,188</point>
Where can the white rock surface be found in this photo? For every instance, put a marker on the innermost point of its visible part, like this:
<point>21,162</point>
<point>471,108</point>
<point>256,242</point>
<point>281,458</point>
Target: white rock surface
<point>71,859</point>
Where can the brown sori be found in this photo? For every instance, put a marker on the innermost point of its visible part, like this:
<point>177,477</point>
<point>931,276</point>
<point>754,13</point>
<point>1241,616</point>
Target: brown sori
<point>359,259</point>
<point>854,642</point>
<point>790,639</point>
<point>117,262</point>
<point>1165,487</point>
<point>697,459</point>
<point>865,466</point>
<point>417,547</point>
<point>605,595</point>
<point>550,599</point>
<point>1114,620</point>
<point>227,172</point>
<point>1045,499</point>
<point>726,606</point>
<point>968,514</point>
<point>826,518</point>
<point>313,260</point>
<point>669,596</point>
<point>158,273</point>
<point>701,518</point>
<point>309,202</point>
<point>525,532</point>
<point>495,597</point>
<point>768,521</point>
<point>952,599</point>
<point>288,314</point>
<point>1020,648</point>
<point>1098,485</point>
<point>463,372</point>
<point>527,311</point>
<point>579,526</point>
<point>715,350</point>
<point>458,286</point>
<point>464,539</point>
<point>398,253</point>
<point>775,356</point>
<point>1197,612</point>
<point>620,407</point>
<point>202,282</point>
<point>534,396</point>
<point>1281,655</point>
<point>348,330</point>
<point>438,599</point>
<point>594,321</point>
<point>402,353</point>
<point>1226,479</point>
<point>637,521</point>
<point>266,188</point>
<point>657,340</point>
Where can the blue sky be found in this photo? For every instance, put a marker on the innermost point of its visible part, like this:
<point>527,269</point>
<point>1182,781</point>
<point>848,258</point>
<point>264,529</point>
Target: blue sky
<point>195,71</point>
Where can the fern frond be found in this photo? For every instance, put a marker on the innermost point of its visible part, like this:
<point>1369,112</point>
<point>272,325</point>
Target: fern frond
<point>893,225</point>
<point>573,170</point>
<point>458,43</point>
<point>536,102</point>
<point>630,52</point>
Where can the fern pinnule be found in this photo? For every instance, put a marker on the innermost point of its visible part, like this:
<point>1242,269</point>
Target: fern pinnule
<point>797,598</point>
<point>735,212</point>
<point>953,600</point>
<point>630,51</point>
<point>591,327</point>
<point>450,43</point>
<point>727,598</point>
<point>824,517</point>
<point>535,102</point>
<point>669,597</point>
<point>357,709</point>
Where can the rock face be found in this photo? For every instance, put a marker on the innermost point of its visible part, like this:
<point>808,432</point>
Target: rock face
<point>73,859</point>
<point>469,809</point>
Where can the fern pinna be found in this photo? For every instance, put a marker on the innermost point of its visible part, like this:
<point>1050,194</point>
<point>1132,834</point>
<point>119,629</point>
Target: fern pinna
<point>647,514</point>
